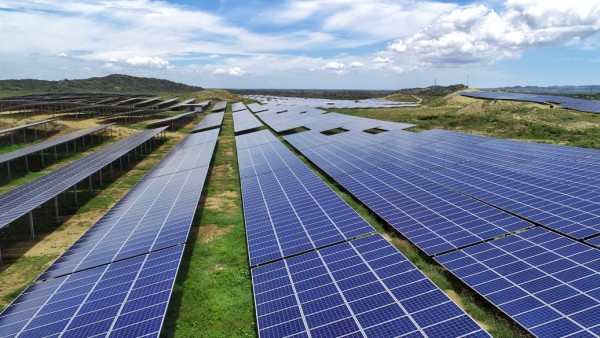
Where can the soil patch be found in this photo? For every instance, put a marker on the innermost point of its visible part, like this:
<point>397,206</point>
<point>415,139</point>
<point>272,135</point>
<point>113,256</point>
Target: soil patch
<point>212,231</point>
<point>222,201</point>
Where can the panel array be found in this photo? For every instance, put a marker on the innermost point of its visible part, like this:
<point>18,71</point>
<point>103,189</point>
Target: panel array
<point>565,208</point>
<point>361,288</point>
<point>219,106</point>
<point>282,118</point>
<point>124,299</point>
<point>210,121</point>
<point>548,283</point>
<point>287,208</point>
<point>19,201</point>
<point>155,214</point>
<point>384,178</point>
<point>116,280</point>
<point>244,120</point>
<point>325,103</point>
<point>237,106</point>
<point>51,143</point>
<point>589,106</point>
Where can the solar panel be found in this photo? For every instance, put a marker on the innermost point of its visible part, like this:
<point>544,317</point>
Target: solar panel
<point>28,125</point>
<point>169,120</point>
<point>244,120</point>
<point>254,139</point>
<point>50,143</point>
<point>155,214</point>
<point>287,208</point>
<point>570,210</point>
<point>432,216</point>
<point>128,298</point>
<point>237,106</point>
<point>210,121</point>
<point>364,287</point>
<point>546,282</point>
<point>19,201</point>
<point>221,105</point>
<point>257,107</point>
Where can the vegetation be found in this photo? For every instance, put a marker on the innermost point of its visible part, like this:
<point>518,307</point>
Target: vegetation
<point>115,83</point>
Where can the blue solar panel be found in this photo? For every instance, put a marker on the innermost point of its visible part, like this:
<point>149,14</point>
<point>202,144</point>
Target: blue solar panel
<point>209,121</point>
<point>244,120</point>
<point>155,214</point>
<point>128,298</point>
<point>565,208</point>
<point>546,282</point>
<point>364,287</point>
<point>432,216</point>
<point>287,208</point>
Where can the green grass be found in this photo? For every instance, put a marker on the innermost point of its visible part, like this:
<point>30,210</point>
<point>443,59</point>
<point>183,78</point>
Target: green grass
<point>213,292</point>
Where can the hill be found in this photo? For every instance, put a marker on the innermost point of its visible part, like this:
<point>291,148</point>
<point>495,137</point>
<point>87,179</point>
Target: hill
<point>432,90</point>
<point>115,83</point>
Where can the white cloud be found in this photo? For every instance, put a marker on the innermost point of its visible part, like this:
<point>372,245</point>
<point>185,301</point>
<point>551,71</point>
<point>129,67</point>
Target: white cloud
<point>233,71</point>
<point>334,65</point>
<point>356,65</point>
<point>62,55</point>
<point>479,34</point>
<point>381,60</point>
<point>146,61</point>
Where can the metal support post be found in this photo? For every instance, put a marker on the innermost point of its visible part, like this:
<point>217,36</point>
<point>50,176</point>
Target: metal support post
<point>31,224</point>
<point>56,207</point>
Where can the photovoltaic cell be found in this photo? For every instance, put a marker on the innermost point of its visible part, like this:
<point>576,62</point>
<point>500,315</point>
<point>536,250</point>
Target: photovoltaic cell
<point>594,241</point>
<point>548,283</point>
<point>360,288</point>
<point>128,298</point>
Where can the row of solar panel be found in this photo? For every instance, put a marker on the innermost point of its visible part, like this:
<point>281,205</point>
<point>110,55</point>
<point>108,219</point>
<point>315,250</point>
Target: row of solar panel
<point>116,280</point>
<point>7,157</point>
<point>515,176</point>
<point>21,200</point>
<point>363,287</point>
<point>548,283</point>
<point>210,121</point>
<point>282,118</point>
<point>324,103</point>
<point>589,106</point>
<point>244,120</point>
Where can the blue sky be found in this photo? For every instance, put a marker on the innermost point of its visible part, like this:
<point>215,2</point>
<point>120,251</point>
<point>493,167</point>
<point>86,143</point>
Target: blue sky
<point>332,44</point>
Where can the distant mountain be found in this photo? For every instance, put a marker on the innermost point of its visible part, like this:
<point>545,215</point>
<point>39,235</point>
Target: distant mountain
<point>591,89</point>
<point>433,90</point>
<point>115,83</point>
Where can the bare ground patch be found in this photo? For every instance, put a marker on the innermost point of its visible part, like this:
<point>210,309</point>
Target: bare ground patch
<point>210,232</point>
<point>222,171</point>
<point>222,201</point>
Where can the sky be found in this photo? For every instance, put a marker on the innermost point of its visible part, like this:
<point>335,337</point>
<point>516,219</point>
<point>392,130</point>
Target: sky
<point>305,44</point>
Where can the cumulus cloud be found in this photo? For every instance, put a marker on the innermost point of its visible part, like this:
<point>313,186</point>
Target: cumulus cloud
<point>62,55</point>
<point>479,34</point>
<point>380,60</point>
<point>334,65</point>
<point>233,71</point>
<point>146,61</point>
<point>356,65</point>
